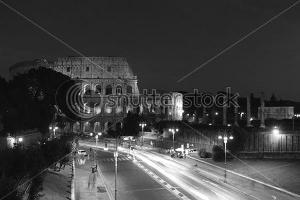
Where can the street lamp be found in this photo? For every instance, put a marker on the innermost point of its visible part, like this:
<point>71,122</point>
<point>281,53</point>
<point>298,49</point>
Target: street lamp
<point>225,139</point>
<point>142,124</point>
<point>54,129</point>
<point>173,131</point>
<point>20,139</point>
<point>276,131</point>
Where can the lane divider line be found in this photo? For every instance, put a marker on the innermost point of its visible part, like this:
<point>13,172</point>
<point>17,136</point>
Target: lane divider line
<point>104,182</point>
<point>170,188</point>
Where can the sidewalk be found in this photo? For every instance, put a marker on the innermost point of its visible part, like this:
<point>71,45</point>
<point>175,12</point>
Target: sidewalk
<point>57,185</point>
<point>88,185</point>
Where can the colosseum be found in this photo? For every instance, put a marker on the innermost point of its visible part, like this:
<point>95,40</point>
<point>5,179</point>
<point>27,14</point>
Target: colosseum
<point>102,77</point>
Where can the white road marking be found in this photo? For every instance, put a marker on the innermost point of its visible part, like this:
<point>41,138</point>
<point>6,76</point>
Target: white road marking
<point>170,188</point>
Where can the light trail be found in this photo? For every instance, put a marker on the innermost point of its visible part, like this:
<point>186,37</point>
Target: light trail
<point>185,177</point>
<point>189,188</point>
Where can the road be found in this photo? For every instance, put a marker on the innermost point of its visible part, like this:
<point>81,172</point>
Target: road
<point>156,176</point>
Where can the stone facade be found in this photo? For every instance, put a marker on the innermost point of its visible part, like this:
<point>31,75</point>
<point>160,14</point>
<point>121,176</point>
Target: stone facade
<point>101,77</point>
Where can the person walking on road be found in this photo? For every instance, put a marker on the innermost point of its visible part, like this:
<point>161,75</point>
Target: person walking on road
<point>92,179</point>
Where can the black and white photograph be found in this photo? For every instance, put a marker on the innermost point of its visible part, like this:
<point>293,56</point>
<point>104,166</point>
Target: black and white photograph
<point>149,100</point>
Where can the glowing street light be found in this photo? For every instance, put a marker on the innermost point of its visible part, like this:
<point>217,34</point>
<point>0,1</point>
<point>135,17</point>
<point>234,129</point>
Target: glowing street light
<point>91,134</point>
<point>20,139</point>
<point>225,139</point>
<point>276,131</point>
<point>173,131</point>
<point>142,124</point>
<point>53,129</point>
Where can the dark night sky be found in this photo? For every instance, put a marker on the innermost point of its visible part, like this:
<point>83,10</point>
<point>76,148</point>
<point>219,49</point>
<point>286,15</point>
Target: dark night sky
<point>164,40</point>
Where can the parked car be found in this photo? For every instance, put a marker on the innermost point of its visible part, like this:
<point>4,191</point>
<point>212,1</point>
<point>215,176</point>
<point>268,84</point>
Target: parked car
<point>82,152</point>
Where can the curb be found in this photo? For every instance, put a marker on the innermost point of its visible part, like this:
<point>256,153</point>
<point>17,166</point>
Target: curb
<point>73,181</point>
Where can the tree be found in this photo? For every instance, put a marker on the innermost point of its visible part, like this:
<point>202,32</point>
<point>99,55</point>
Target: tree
<point>131,124</point>
<point>33,98</point>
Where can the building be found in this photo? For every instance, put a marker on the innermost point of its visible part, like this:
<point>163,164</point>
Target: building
<point>279,113</point>
<point>102,79</point>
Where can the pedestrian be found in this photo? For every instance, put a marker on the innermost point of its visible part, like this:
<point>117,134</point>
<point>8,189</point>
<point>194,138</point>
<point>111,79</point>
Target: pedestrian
<point>186,153</point>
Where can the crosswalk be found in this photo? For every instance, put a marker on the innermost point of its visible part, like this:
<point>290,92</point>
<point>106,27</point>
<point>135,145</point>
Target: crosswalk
<point>121,158</point>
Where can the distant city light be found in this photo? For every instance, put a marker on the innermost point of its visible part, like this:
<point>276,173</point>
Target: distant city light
<point>276,131</point>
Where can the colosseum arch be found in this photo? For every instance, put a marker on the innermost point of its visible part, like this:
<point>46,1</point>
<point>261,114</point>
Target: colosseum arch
<point>119,90</point>
<point>87,90</point>
<point>129,89</point>
<point>98,89</point>
<point>108,90</point>
<point>97,108</point>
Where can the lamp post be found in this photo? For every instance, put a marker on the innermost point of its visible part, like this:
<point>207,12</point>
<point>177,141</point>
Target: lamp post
<point>225,139</point>
<point>142,124</point>
<point>54,129</point>
<point>173,131</point>
<point>277,135</point>
<point>20,140</point>
<point>214,116</point>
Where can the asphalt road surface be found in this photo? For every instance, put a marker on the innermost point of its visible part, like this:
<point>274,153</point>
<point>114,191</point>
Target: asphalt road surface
<point>149,175</point>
